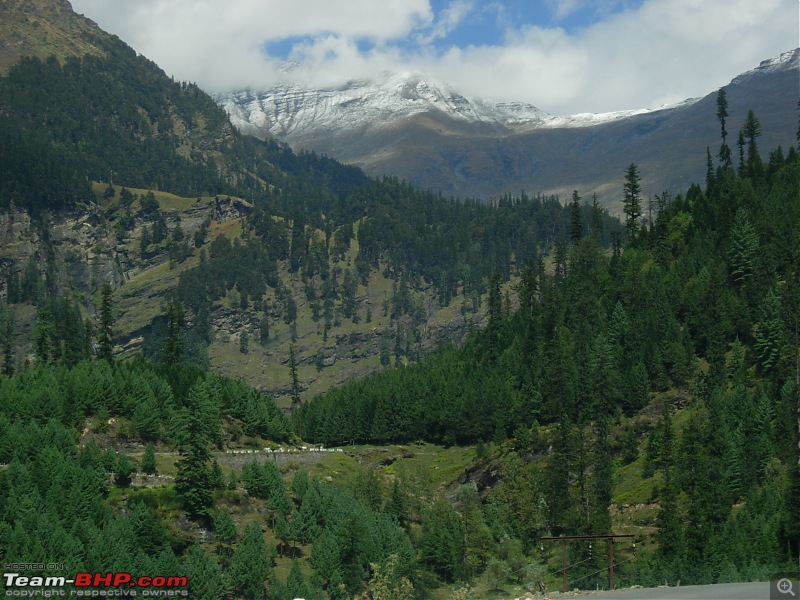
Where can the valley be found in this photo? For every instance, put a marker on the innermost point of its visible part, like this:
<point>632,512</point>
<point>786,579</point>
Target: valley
<point>281,377</point>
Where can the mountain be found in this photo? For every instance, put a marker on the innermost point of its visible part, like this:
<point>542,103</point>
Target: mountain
<point>423,131</point>
<point>298,114</point>
<point>111,172</point>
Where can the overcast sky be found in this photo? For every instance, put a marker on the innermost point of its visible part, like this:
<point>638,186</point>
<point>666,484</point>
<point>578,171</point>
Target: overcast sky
<point>564,56</point>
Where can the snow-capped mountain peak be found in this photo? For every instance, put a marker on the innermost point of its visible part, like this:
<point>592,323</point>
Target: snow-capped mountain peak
<point>292,110</point>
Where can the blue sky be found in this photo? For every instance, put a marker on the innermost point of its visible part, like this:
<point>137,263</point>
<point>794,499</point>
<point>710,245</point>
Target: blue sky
<point>485,23</point>
<point>564,56</point>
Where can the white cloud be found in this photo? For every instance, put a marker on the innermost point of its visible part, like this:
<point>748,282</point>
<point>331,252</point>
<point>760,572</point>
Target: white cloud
<point>564,8</point>
<point>449,19</point>
<point>662,51</point>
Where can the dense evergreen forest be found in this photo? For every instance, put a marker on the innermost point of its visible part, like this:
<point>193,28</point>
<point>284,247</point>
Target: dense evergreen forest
<point>58,501</point>
<point>704,299</point>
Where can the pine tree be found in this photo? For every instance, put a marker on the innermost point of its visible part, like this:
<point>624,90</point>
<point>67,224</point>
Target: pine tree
<point>45,342</point>
<point>596,225</point>
<point>743,249</point>
<point>225,532</point>
<point>148,465</point>
<point>670,533</point>
<point>145,241</point>
<point>325,558</point>
<point>494,325</point>
<point>296,583</point>
<point>602,477</point>
<point>123,470</point>
<point>146,416</point>
<point>105,347</point>
<point>769,332</point>
<point>174,343</point>
<point>193,479</point>
<point>251,565</point>
<point>722,115</point>
<point>203,575</point>
<point>632,200</point>
<point>740,145</point>
<point>575,219</point>
<point>295,392</point>
<point>442,541</point>
<point>8,342</point>
<point>397,503</point>
<point>751,130</point>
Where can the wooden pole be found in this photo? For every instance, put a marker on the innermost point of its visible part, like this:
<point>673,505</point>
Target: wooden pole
<point>611,563</point>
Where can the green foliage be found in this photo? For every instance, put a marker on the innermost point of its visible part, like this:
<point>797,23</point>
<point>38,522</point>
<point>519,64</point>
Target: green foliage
<point>203,575</point>
<point>193,481</point>
<point>743,251</point>
<point>598,338</point>
<point>632,200</point>
<point>262,480</point>
<point>442,541</point>
<point>148,464</point>
<point>123,469</point>
<point>251,565</point>
<point>769,332</point>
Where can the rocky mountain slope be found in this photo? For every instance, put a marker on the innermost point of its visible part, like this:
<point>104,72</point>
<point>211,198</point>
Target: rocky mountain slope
<point>110,172</point>
<point>45,28</point>
<point>426,132</point>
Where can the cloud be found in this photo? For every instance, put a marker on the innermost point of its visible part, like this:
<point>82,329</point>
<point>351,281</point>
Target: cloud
<point>634,56</point>
<point>219,43</point>
<point>448,20</point>
<point>661,52</point>
<point>564,8</point>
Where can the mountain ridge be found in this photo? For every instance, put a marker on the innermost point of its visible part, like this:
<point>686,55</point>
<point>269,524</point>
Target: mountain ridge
<point>486,158</point>
<point>294,111</point>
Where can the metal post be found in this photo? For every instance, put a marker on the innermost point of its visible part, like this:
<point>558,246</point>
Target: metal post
<point>564,562</point>
<point>611,564</point>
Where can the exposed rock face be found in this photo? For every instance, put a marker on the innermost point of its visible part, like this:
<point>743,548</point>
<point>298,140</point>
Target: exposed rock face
<point>81,246</point>
<point>83,250</point>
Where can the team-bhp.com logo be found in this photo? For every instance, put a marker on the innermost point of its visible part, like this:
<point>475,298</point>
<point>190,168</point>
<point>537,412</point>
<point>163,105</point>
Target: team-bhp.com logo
<point>93,585</point>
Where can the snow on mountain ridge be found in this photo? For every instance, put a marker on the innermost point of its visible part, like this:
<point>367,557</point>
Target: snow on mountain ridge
<point>289,110</point>
<point>293,112</point>
<point>790,59</point>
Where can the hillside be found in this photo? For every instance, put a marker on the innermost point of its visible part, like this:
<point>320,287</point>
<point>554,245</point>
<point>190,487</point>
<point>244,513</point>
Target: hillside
<point>45,28</point>
<point>484,151</point>
<point>273,376</point>
<point>656,389</point>
<point>346,268</point>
